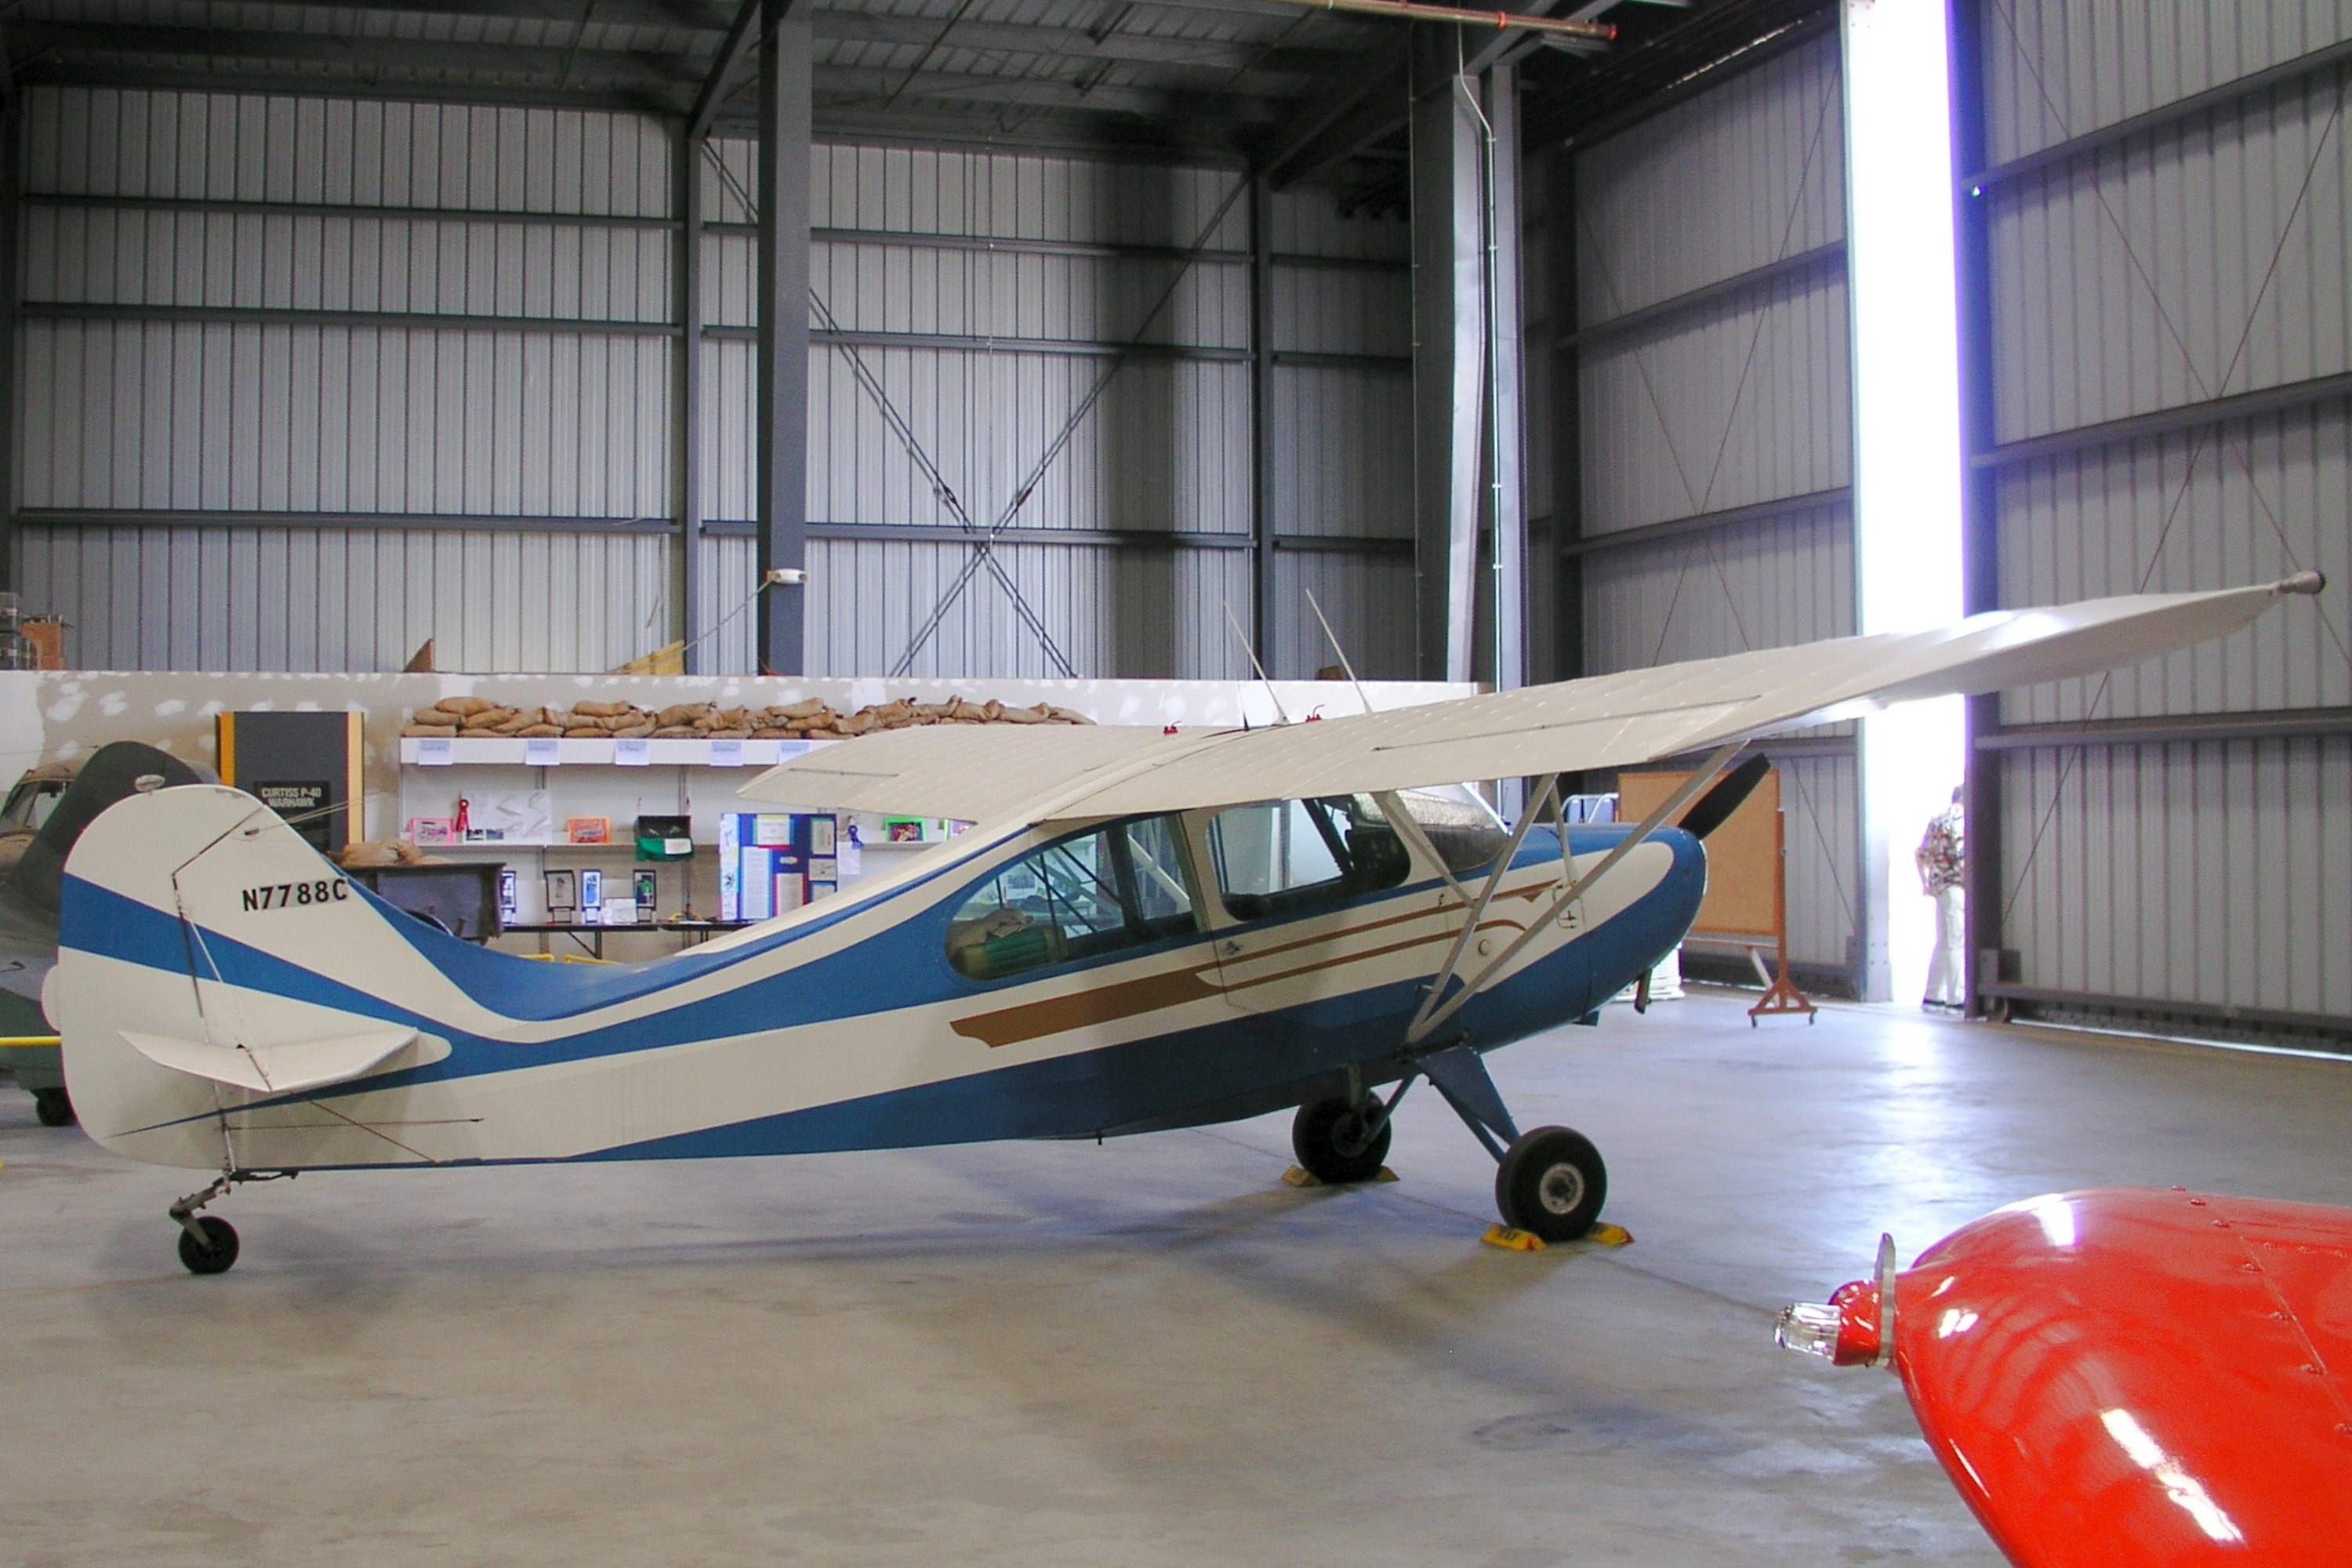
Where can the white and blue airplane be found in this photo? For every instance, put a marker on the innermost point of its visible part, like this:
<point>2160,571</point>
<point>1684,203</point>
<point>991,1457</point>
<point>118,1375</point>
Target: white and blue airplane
<point>1141,931</point>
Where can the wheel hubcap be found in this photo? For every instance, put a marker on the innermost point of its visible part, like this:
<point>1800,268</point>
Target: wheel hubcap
<point>1561,1189</point>
<point>1350,1135</point>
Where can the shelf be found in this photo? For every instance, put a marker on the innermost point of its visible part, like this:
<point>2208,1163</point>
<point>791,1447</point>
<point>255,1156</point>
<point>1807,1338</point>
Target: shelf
<point>513,751</point>
<point>629,848</point>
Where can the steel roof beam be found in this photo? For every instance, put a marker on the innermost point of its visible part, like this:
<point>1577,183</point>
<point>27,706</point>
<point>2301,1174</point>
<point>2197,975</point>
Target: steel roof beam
<point>692,16</point>
<point>294,84</point>
<point>1040,91</point>
<point>713,92</point>
<point>658,72</point>
<point>1362,110</point>
<point>1213,54</point>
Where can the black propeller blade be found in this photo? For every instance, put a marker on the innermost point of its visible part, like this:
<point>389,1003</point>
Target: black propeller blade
<point>1715,806</point>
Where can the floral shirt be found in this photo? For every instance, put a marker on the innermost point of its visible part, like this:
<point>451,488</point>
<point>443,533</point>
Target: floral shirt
<point>1943,852</point>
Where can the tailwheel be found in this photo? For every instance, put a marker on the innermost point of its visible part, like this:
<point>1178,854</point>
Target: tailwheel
<point>215,1252</point>
<point>1338,1142</point>
<point>1552,1184</point>
<point>53,1107</point>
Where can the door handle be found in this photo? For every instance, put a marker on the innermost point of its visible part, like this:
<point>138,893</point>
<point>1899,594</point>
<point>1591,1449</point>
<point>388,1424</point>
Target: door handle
<point>1229,948</point>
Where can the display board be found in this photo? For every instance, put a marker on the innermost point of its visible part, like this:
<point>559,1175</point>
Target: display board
<point>303,766</point>
<point>1742,856</point>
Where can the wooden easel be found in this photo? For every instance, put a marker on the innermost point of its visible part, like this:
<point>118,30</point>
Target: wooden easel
<point>1781,992</point>
<point>1746,902</point>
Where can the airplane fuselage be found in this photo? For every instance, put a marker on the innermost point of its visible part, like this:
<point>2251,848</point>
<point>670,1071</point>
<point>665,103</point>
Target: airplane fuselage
<point>852,1023</point>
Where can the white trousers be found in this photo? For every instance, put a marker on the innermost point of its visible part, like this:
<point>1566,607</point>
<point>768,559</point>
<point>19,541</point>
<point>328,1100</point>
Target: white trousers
<point>1947,972</point>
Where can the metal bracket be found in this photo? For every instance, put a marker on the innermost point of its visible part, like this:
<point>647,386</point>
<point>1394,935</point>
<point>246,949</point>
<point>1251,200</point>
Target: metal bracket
<point>1431,1015</point>
<point>183,1213</point>
<point>1460,1074</point>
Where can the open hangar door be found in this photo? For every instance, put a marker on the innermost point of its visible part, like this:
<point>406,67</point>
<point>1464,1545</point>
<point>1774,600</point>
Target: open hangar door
<point>1689,469</point>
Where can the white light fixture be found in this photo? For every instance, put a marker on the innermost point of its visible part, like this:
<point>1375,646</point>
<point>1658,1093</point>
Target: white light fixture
<point>1903,292</point>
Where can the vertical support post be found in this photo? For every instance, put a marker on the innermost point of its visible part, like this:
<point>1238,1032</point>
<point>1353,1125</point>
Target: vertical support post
<point>1448,355</point>
<point>783,346</point>
<point>1507,453</point>
<point>1566,423</point>
<point>1261,564</point>
<point>685,399</point>
<point>1979,501</point>
<point>12,121</point>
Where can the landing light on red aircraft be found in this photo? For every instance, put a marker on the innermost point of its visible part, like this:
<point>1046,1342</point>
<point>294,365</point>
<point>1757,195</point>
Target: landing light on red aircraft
<point>1854,1328</point>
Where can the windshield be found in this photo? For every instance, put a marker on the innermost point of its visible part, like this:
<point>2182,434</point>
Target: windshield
<point>1461,827</point>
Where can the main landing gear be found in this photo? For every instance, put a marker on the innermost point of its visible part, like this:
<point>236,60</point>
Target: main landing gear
<point>53,1107</point>
<point>1549,1181</point>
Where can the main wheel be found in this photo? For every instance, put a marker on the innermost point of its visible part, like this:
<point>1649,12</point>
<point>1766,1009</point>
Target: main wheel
<point>215,1258</point>
<point>1333,1143</point>
<point>1552,1184</point>
<point>53,1107</point>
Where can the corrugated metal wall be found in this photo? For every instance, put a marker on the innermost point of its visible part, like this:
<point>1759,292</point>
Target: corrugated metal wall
<point>987,296</point>
<point>1712,420</point>
<point>367,320</point>
<point>1341,411</point>
<point>309,381</point>
<point>2200,259</point>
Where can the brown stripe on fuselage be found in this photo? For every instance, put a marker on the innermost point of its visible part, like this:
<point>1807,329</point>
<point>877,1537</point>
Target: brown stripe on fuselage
<point>1151,992</point>
<point>1095,1005</point>
<point>1367,955</point>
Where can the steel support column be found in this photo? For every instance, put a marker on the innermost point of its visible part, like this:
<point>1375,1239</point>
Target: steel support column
<point>1566,424</point>
<point>685,399</point>
<point>1979,503</point>
<point>11,127</point>
<point>783,348</point>
<point>1507,430</point>
<point>1449,359</point>
<point>1261,228</point>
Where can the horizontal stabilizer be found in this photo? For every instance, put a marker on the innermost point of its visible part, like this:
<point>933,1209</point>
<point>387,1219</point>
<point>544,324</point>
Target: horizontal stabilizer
<point>274,1069</point>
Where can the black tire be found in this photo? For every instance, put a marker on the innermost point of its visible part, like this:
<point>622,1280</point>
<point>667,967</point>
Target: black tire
<point>214,1259</point>
<point>1328,1138</point>
<point>1552,1184</point>
<point>53,1107</point>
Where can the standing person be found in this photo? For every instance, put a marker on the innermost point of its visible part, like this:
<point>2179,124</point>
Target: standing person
<point>1942,859</point>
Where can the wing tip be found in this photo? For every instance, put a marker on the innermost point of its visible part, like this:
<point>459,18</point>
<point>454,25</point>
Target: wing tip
<point>2307,583</point>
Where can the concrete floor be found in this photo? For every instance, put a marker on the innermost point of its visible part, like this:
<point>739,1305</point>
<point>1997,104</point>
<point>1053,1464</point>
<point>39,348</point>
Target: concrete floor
<point>1144,1354</point>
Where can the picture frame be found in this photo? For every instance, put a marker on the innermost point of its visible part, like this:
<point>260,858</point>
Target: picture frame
<point>431,832</point>
<point>562,894</point>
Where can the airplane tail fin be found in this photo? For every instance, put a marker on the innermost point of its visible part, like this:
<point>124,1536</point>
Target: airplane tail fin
<point>194,935</point>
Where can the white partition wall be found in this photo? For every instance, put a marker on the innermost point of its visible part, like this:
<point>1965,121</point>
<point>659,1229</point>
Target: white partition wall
<point>2164,364</point>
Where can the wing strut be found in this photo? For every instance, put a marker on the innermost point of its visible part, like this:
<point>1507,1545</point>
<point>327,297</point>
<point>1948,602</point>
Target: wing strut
<point>1423,1023</point>
<point>1434,1015</point>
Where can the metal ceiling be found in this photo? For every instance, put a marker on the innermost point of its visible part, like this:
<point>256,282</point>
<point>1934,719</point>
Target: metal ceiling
<point>1277,84</point>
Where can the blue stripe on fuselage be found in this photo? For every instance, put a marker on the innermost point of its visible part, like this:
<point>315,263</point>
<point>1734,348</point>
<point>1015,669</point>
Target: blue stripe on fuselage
<point>903,967</point>
<point>1243,1063</point>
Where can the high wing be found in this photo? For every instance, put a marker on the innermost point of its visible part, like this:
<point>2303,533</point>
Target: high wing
<point>997,775</point>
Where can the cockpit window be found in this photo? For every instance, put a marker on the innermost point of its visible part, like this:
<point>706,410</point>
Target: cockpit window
<point>1118,886</point>
<point>1460,825</point>
<point>1293,857</point>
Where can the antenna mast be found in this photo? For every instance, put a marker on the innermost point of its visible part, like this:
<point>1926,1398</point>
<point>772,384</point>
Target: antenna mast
<point>1334,638</point>
<point>1252,658</point>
